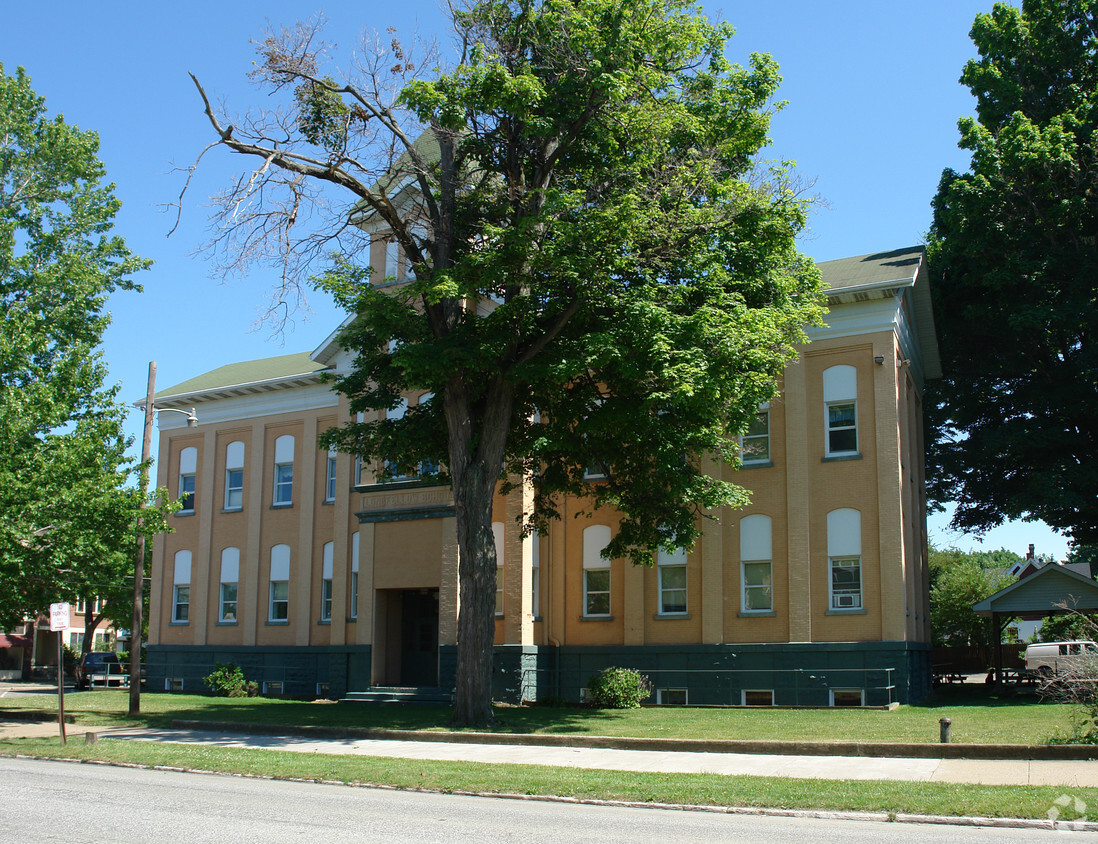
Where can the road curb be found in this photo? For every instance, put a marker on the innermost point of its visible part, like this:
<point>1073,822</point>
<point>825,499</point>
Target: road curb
<point>776,748</point>
<point>822,814</point>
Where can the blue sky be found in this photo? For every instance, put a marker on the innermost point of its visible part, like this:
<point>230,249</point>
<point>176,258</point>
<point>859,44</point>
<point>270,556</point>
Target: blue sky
<point>872,93</point>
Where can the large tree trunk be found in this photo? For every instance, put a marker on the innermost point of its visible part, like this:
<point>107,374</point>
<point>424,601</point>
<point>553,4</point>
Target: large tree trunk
<point>476,454</point>
<point>477,605</point>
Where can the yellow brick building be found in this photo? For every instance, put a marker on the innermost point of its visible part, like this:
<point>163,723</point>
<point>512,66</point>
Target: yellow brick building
<point>295,564</point>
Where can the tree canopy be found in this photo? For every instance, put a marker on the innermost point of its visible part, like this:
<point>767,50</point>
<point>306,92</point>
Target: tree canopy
<point>605,281</point>
<point>958,580</point>
<point>66,518</point>
<point>1015,278</point>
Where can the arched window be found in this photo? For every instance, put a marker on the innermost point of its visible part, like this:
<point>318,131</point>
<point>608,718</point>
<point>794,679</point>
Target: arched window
<point>181,588</point>
<point>756,564</point>
<point>840,388</point>
<point>671,574</point>
<point>844,559</point>
<point>596,571</point>
<point>279,609</point>
<point>230,582</point>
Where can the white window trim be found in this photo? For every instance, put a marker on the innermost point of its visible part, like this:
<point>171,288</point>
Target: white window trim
<point>177,603</point>
<point>326,599</point>
<point>280,485</point>
<point>661,692</point>
<point>608,591</point>
<point>192,477</point>
<point>828,429</point>
<point>744,608</point>
<point>271,603</point>
<point>858,603</point>
<point>330,479</point>
<point>221,617</point>
<point>663,590</point>
<point>764,410</point>
<point>831,694</point>
<point>229,489</point>
<point>744,693</point>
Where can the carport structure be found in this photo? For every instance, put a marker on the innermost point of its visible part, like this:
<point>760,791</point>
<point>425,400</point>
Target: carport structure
<point>1052,590</point>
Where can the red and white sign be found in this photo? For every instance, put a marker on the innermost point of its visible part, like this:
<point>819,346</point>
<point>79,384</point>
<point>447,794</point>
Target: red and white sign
<point>59,616</point>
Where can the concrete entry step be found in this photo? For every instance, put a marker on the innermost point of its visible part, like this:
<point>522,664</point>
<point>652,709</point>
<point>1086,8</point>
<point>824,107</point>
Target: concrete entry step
<point>402,694</point>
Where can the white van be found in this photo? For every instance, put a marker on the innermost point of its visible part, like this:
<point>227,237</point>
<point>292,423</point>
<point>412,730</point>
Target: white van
<point>1058,657</point>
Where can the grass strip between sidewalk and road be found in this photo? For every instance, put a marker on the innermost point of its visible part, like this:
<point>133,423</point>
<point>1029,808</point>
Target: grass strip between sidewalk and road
<point>898,797</point>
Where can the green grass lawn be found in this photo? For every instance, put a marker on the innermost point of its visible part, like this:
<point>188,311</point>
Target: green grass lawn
<point>978,717</point>
<point>920,798</point>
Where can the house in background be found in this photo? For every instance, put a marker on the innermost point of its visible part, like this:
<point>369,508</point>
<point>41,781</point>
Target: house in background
<point>296,564</point>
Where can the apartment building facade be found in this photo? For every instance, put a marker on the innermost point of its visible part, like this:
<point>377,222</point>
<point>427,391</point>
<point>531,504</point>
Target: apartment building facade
<point>294,563</point>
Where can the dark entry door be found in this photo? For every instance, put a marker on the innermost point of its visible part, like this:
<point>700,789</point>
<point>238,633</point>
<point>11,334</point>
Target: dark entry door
<point>419,638</point>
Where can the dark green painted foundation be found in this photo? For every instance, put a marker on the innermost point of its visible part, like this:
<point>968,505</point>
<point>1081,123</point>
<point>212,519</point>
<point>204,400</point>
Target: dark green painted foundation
<point>797,674</point>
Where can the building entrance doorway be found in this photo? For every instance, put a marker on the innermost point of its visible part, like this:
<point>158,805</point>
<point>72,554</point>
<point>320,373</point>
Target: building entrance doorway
<point>419,637</point>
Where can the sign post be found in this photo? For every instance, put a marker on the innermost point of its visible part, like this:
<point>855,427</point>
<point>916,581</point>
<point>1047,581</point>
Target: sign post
<point>59,623</point>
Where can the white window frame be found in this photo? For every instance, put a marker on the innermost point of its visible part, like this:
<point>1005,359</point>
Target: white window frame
<point>589,593</point>
<point>840,388</point>
<point>497,538</point>
<point>844,551</point>
<point>595,539</point>
<point>745,692</point>
<point>181,603</point>
<point>667,562</point>
<point>279,582</point>
<point>847,597</point>
<point>535,575</point>
<point>764,414</point>
<point>756,547</point>
<point>181,588</point>
<point>284,471</point>
<point>230,578</point>
<point>330,478</point>
<point>188,474</point>
<point>326,582</point>
<point>846,690</point>
<point>223,601</point>
<point>234,464</point>
<point>663,693</point>
<point>746,588</point>
<point>353,614</point>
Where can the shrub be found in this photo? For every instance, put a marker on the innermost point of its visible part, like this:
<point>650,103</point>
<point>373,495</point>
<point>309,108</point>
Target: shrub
<point>228,681</point>
<point>618,688</point>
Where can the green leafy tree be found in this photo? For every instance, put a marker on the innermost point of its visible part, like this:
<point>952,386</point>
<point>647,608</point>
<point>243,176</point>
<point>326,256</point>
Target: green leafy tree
<point>1015,278</point>
<point>960,579</point>
<point>66,518</point>
<point>605,276</point>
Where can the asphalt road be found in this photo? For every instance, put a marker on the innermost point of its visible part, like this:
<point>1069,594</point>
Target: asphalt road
<point>64,801</point>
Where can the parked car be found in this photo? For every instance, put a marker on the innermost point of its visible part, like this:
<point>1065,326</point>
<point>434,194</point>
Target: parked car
<point>1058,657</point>
<point>98,665</point>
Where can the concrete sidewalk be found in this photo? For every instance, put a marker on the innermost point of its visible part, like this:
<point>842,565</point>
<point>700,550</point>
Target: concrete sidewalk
<point>1066,774</point>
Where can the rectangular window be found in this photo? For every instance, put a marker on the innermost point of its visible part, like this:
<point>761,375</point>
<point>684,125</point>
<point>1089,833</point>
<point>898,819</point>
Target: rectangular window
<point>354,594</point>
<point>758,593</point>
<point>596,592</point>
<point>234,489</point>
<point>671,697</point>
<point>755,443</point>
<point>672,589</point>
<point>228,603</point>
<point>846,583</point>
<point>842,427</point>
<point>330,479</point>
<point>280,600</point>
<point>499,590</point>
<point>181,603</point>
<point>758,697</point>
<point>847,697</point>
<point>186,493</point>
<point>284,483</point>
<point>326,600</point>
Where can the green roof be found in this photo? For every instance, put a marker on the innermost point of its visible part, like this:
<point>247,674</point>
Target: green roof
<point>246,373</point>
<point>876,268</point>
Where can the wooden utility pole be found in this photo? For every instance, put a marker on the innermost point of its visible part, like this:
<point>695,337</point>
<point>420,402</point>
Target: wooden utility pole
<point>139,561</point>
